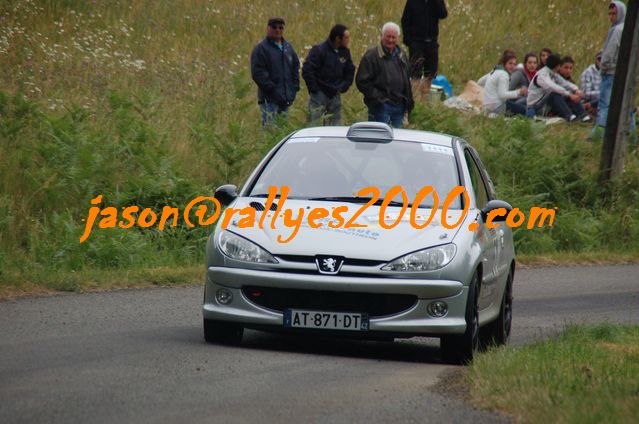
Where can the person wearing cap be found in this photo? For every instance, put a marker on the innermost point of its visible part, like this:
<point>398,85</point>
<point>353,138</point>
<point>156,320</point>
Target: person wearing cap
<point>589,83</point>
<point>383,79</point>
<point>328,71</point>
<point>275,69</point>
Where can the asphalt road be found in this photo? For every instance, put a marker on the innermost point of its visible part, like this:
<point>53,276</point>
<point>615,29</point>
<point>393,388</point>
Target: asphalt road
<point>139,356</point>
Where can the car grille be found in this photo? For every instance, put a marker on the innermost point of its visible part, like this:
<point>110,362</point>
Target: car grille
<point>373,304</point>
<point>347,261</point>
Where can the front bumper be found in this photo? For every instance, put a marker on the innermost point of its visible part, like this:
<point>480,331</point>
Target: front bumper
<point>412,322</point>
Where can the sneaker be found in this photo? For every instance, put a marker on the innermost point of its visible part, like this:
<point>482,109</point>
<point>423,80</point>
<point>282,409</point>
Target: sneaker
<point>586,118</point>
<point>572,118</point>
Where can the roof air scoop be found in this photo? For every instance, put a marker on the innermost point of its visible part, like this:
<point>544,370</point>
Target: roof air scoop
<point>370,132</point>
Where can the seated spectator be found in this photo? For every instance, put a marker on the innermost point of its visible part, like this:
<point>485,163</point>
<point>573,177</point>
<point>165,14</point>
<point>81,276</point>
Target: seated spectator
<point>482,81</point>
<point>589,84</point>
<point>497,97</point>
<point>543,56</point>
<point>566,66</point>
<point>521,76</point>
<point>562,97</point>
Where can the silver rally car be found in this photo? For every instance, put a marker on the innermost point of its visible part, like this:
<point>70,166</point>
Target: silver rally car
<point>451,279</point>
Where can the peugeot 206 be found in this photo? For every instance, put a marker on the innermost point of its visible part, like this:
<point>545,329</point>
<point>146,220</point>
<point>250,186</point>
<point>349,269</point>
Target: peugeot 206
<point>426,262</point>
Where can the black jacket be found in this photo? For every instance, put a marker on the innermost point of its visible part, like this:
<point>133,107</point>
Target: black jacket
<point>420,20</point>
<point>373,78</point>
<point>328,70</point>
<point>276,72</point>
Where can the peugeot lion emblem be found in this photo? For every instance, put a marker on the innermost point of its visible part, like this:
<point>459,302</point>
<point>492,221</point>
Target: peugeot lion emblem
<point>329,264</point>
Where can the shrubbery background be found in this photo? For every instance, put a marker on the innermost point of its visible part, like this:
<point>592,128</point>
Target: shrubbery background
<point>151,103</point>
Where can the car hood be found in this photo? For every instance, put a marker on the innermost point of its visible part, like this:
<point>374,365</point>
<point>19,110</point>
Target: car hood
<point>372,242</point>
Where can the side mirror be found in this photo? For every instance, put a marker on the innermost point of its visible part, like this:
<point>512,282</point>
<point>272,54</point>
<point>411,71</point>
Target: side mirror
<point>496,204</point>
<point>226,194</point>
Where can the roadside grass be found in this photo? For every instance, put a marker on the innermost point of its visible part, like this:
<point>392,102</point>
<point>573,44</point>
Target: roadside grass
<point>585,375</point>
<point>91,280</point>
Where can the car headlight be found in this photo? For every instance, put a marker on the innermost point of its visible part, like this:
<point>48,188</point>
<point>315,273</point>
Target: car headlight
<point>239,248</point>
<point>424,260</point>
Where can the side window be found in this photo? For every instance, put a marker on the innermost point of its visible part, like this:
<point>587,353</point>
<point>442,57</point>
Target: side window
<point>481,193</point>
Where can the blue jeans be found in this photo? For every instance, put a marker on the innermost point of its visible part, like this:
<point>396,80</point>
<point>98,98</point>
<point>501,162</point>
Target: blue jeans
<point>605,90</point>
<point>387,113</point>
<point>270,111</point>
<point>324,108</point>
<point>514,107</point>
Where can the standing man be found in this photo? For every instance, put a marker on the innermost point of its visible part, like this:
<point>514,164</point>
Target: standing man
<point>616,14</point>
<point>383,78</point>
<point>275,69</point>
<point>328,71</point>
<point>420,23</point>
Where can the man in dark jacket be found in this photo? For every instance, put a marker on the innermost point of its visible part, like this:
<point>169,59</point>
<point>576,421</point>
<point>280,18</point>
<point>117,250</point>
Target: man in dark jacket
<point>384,80</point>
<point>275,69</point>
<point>420,23</point>
<point>328,71</point>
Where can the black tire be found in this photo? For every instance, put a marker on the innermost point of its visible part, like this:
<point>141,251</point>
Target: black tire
<point>222,332</point>
<point>497,332</point>
<point>461,348</point>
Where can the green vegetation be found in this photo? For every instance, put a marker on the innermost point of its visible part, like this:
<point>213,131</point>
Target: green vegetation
<point>151,103</point>
<point>586,375</point>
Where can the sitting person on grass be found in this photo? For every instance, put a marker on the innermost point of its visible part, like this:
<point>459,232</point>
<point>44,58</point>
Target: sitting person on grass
<point>521,76</point>
<point>589,83</point>
<point>543,56</point>
<point>548,90</point>
<point>484,79</point>
<point>566,66</point>
<point>497,97</point>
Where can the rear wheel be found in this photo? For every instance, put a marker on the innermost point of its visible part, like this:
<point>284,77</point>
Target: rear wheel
<point>497,332</point>
<point>460,348</point>
<point>222,332</point>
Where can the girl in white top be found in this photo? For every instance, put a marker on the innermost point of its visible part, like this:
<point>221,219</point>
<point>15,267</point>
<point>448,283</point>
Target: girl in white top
<point>497,97</point>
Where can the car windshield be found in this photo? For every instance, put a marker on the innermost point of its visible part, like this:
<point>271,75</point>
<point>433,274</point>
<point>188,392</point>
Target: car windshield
<point>337,168</point>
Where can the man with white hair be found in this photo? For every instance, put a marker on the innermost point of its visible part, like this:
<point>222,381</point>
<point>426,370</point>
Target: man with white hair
<point>383,79</point>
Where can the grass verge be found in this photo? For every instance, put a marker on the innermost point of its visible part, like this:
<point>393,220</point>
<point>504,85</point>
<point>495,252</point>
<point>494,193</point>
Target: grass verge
<point>586,375</point>
<point>94,280</point>
<point>102,280</point>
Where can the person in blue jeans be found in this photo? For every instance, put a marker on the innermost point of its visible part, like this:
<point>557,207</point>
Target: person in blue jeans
<point>616,14</point>
<point>383,78</point>
<point>275,69</point>
<point>388,113</point>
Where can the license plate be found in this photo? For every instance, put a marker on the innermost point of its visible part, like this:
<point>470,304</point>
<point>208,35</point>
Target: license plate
<point>296,318</point>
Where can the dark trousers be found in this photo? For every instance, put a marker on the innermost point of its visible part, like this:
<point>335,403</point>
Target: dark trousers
<point>423,58</point>
<point>559,105</point>
<point>514,107</point>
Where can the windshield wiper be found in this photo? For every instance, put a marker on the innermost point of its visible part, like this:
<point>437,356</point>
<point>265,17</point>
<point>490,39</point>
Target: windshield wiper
<point>350,199</point>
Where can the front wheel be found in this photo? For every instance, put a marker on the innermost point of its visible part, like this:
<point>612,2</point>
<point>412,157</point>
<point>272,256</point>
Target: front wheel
<point>461,348</point>
<point>497,332</point>
<point>222,332</point>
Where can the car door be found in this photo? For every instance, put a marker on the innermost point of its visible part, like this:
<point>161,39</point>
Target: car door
<point>503,242</point>
<point>487,236</point>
